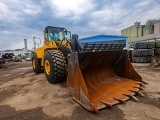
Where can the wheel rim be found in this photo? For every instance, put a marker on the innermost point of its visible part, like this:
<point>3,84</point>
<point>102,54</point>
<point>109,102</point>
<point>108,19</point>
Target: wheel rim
<point>33,64</point>
<point>47,66</point>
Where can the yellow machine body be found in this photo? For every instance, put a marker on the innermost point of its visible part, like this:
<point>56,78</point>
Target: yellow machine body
<point>48,45</point>
<point>96,79</point>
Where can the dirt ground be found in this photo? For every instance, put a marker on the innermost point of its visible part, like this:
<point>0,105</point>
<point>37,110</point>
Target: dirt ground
<point>25,95</point>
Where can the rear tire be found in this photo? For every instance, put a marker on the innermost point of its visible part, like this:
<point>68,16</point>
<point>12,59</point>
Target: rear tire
<point>158,56</point>
<point>142,52</point>
<point>146,59</point>
<point>135,45</point>
<point>151,45</point>
<point>157,51</point>
<point>158,44</point>
<point>55,66</point>
<point>36,64</point>
<point>142,45</point>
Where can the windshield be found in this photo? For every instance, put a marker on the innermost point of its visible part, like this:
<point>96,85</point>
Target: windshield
<point>67,35</point>
<point>55,34</point>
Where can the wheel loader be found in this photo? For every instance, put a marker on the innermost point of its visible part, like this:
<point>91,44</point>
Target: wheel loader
<point>97,77</point>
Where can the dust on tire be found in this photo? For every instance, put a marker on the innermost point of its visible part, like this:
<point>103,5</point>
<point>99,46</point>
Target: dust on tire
<point>58,67</point>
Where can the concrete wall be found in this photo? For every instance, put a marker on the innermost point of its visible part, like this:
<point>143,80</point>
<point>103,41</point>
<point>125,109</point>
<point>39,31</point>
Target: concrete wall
<point>137,30</point>
<point>140,29</point>
<point>129,32</point>
<point>122,32</point>
<point>146,28</point>
<point>133,32</point>
<point>157,27</point>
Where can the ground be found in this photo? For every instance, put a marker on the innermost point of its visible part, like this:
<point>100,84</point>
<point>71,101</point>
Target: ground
<point>25,95</point>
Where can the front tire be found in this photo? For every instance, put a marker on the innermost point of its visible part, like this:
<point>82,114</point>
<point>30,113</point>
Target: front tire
<point>55,67</point>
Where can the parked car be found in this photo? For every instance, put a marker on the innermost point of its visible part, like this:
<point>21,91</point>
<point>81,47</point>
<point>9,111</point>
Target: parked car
<point>28,58</point>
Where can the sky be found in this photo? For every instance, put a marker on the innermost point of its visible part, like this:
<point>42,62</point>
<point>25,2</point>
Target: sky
<point>24,19</point>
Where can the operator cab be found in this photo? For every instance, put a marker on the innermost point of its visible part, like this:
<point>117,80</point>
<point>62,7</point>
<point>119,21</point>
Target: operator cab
<point>67,35</point>
<point>56,33</point>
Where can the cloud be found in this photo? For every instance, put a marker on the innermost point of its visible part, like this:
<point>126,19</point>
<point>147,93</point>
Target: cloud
<point>24,19</point>
<point>64,8</point>
<point>32,9</point>
<point>6,13</point>
<point>110,19</point>
<point>143,3</point>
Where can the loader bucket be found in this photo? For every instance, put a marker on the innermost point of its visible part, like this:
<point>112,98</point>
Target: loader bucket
<point>101,79</point>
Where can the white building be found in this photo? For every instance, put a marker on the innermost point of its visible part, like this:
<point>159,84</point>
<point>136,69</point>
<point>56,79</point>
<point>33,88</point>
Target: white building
<point>15,52</point>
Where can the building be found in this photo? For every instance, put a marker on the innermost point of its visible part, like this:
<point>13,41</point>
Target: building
<point>138,32</point>
<point>23,52</point>
<point>134,31</point>
<point>16,52</point>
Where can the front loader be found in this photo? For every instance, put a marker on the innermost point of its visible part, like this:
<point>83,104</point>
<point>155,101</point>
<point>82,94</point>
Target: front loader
<point>97,77</point>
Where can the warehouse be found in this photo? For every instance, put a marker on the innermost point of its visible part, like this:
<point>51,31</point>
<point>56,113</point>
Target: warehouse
<point>110,41</point>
